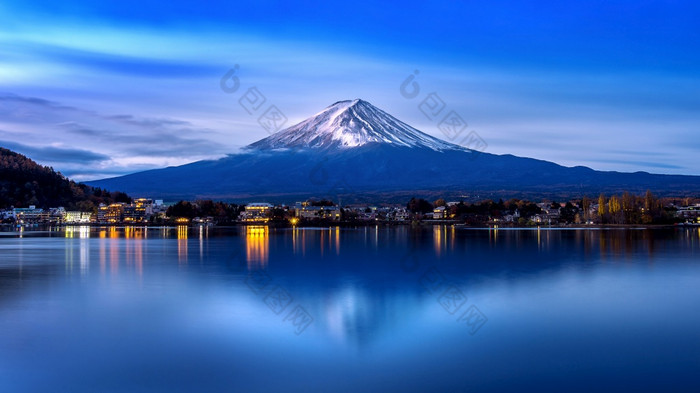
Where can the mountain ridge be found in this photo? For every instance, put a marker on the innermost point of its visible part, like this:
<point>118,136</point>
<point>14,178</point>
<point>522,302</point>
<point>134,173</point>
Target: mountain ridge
<point>355,151</point>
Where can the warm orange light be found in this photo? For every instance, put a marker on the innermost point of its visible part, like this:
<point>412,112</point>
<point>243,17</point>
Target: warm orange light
<point>256,231</point>
<point>257,246</point>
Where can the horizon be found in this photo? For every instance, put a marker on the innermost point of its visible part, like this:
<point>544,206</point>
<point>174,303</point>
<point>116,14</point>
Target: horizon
<point>96,93</point>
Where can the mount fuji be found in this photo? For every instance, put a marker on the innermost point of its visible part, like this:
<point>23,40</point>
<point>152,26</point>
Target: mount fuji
<point>355,152</point>
<point>350,124</point>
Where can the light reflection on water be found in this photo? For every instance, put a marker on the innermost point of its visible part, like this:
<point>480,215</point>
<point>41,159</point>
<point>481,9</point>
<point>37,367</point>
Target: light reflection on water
<point>221,309</point>
<point>257,246</point>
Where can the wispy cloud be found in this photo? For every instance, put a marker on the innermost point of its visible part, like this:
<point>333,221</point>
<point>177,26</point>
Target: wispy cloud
<point>55,154</point>
<point>139,66</point>
<point>88,144</point>
<point>159,139</point>
<point>649,164</point>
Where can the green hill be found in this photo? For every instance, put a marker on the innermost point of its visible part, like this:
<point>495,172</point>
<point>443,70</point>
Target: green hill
<point>23,182</point>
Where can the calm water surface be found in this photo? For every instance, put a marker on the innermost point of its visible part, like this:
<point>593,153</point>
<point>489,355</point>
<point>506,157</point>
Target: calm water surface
<point>349,310</point>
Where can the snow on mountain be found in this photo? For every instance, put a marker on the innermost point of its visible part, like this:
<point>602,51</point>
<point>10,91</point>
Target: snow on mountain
<point>348,124</point>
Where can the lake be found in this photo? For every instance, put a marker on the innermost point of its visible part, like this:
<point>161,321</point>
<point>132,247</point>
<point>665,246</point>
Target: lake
<point>370,309</point>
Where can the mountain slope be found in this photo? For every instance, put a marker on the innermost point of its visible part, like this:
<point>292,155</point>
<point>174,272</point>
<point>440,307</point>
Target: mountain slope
<point>354,151</point>
<point>23,182</point>
<point>349,124</point>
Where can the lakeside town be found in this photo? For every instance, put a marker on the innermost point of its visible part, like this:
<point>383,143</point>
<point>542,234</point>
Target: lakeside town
<point>616,210</point>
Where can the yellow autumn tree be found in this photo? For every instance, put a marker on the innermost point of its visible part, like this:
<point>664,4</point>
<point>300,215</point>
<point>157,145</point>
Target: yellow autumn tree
<point>601,205</point>
<point>615,206</point>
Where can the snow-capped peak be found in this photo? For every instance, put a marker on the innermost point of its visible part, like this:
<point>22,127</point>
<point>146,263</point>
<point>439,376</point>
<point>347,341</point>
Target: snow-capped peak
<point>348,124</point>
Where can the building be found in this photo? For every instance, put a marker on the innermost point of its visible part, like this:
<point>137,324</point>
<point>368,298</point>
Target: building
<point>320,212</point>
<point>76,217</point>
<point>546,218</point>
<point>439,213</point>
<point>158,207</point>
<point>7,214</point>
<point>549,214</point>
<point>57,215</point>
<point>139,211</point>
<point>143,209</point>
<point>110,214</point>
<point>689,213</point>
<point>512,217</point>
<point>30,215</point>
<point>257,212</point>
<point>132,215</point>
<point>401,214</point>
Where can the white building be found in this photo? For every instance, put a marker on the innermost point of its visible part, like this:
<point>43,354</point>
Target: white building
<point>401,215</point>
<point>76,217</point>
<point>439,213</point>
<point>5,214</point>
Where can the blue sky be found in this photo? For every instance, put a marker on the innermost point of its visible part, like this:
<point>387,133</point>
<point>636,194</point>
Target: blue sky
<point>98,89</point>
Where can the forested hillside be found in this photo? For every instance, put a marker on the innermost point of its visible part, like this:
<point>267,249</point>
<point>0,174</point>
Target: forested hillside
<point>23,182</point>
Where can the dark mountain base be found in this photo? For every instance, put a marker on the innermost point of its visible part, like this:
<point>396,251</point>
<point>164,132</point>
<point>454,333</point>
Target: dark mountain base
<point>377,173</point>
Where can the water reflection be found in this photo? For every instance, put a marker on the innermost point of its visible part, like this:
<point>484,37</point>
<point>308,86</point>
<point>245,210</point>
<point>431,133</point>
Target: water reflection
<point>82,232</point>
<point>437,239</point>
<point>123,245</point>
<point>182,244</point>
<point>257,246</point>
<point>203,237</point>
<point>560,293</point>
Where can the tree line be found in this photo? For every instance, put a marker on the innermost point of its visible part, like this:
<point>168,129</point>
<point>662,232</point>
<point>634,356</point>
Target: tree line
<point>632,209</point>
<point>221,212</point>
<point>624,209</point>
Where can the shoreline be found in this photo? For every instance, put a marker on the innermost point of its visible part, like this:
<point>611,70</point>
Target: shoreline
<point>414,224</point>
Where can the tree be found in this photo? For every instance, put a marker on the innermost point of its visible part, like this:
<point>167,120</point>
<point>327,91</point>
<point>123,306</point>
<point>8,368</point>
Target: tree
<point>23,182</point>
<point>568,213</point>
<point>615,209</point>
<point>586,205</point>
<point>322,202</point>
<point>86,206</point>
<point>652,208</point>
<point>528,209</point>
<point>183,209</point>
<point>419,206</point>
<point>601,206</point>
<point>628,207</point>
<point>614,204</point>
<point>277,214</point>
<point>119,196</point>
